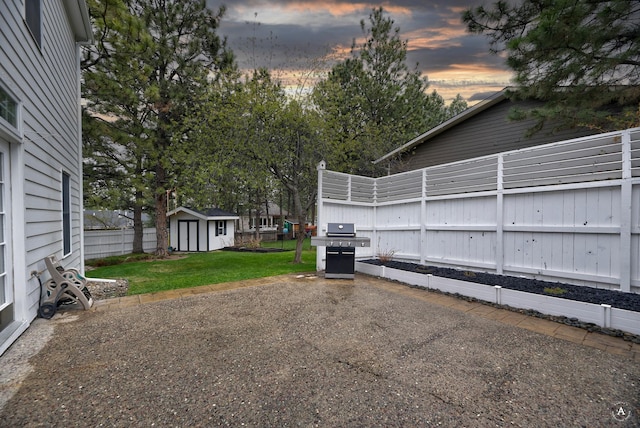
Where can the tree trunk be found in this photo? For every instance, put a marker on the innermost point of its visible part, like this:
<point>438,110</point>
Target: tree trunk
<point>299,243</point>
<point>301,217</point>
<point>257,223</point>
<point>161,212</point>
<point>138,228</point>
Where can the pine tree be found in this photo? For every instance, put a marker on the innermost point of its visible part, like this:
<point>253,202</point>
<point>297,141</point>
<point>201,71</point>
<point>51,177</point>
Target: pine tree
<point>581,57</point>
<point>151,59</point>
<point>373,102</point>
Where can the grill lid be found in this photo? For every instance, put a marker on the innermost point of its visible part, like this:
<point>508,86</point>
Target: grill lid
<point>341,229</point>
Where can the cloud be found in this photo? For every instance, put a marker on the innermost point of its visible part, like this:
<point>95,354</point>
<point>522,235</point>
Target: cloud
<point>288,35</point>
<point>285,10</point>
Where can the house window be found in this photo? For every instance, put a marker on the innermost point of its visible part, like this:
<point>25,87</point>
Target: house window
<point>221,227</point>
<point>8,108</point>
<point>66,213</point>
<point>33,18</point>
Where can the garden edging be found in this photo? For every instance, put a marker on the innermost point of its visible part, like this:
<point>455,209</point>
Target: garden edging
<point>604,316</point>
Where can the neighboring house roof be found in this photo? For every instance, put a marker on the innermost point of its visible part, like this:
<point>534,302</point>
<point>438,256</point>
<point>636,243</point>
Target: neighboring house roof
<point>274,211</point>
<point>454,121</point>
<point>482,130</point>
<point>79,20</point>
<point>207,214</point>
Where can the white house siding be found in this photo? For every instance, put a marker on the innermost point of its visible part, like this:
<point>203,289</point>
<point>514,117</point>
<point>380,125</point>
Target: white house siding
<point>567,211</point>
<point>45,80</point>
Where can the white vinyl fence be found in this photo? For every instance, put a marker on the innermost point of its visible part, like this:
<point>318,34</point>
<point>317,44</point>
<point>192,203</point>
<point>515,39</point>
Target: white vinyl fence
<point>567,211</point>
<point>105,243</point>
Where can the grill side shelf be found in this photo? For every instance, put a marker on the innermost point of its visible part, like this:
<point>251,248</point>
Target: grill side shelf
<point>332,241</point>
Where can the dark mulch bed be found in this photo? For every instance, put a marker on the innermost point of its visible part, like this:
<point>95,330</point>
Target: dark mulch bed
<point>617,299</point>
<point>254,250</point>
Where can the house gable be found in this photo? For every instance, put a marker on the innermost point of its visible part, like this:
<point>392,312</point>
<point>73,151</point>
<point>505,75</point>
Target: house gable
<point>481,130</point>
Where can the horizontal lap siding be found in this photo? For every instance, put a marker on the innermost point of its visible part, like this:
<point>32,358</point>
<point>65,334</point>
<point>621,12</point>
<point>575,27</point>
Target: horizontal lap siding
<point>51,136</point>
<point>45,82</point>
<point>475,138</point>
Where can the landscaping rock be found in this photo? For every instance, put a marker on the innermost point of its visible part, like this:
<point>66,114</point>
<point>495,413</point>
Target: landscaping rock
<point>101,290</point>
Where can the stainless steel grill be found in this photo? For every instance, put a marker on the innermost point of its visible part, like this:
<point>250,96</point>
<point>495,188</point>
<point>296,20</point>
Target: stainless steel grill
<point>340,241</point>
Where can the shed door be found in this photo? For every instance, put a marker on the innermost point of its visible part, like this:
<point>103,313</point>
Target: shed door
<point>6,281</point>
<point>188,235</point>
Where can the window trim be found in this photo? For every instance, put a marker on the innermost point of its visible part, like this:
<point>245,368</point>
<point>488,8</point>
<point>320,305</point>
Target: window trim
<point>33,20</point>
<point>67,245</point>
<point>221,228</point>
<point>7,129</point>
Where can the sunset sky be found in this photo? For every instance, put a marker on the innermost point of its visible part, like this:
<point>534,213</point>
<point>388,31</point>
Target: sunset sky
<point>302,39</point>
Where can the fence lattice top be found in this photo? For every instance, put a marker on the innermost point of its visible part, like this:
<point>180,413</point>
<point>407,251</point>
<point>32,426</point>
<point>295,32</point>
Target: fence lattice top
<point>610,156</point>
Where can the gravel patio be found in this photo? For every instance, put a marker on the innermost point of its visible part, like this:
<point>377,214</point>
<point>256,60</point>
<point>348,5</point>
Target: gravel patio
<point>306,351</point>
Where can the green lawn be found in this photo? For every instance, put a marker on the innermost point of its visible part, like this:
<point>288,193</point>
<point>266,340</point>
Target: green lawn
<point>207,268</point>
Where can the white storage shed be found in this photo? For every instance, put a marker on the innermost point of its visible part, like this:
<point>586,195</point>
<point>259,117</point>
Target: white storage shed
<point>192,230</point>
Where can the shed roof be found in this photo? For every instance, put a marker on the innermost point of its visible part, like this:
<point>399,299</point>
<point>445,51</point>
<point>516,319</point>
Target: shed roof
<point>206,214</point>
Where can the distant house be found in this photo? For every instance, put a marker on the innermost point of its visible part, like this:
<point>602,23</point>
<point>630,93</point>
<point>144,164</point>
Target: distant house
<point>40,150</point>
<point>208,230</point>
<point>481,130</point>
<point>270,219</point>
